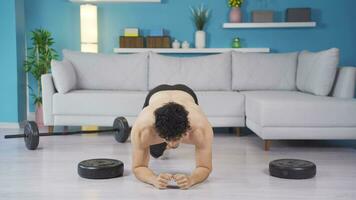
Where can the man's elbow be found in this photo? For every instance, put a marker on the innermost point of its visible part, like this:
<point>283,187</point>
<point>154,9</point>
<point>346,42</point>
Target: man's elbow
<point>208,170</point>
<point>136,171</point>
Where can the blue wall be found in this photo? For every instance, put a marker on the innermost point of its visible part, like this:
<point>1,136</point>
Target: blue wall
<point>12,77</point>
<point>335,24</point>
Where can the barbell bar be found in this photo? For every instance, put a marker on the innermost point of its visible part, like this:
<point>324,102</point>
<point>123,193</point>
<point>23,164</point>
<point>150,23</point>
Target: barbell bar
<point>32,136</point>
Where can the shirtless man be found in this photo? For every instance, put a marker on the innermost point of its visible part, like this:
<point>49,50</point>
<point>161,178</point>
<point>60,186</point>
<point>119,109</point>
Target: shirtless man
<point>171,116</point>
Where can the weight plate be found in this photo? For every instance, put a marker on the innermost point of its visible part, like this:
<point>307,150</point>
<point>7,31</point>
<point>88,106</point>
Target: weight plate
<point>292,169</point>
<point>123,129</point>
<point>100,168</point>
<point>31,134</point>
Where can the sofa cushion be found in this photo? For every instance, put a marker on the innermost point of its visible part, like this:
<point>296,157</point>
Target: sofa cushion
<point>297,109</point>
<point>258,71</point>
<point>64,76</point>
<point>99,102</point>
<point>109,71</point>
<point>222,103</point>
<point>316,71</point>
<point>202,73</point>
<point>130,103</point>
<point>345,84</point>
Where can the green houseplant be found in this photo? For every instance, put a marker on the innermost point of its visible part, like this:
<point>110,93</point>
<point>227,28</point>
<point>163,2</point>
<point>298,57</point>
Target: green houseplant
<point>38,62</point>
<point>200,18</point>
<point>235,3</point>
<point>235,12</point>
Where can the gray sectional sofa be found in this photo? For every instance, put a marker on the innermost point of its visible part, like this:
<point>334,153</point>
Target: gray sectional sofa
<point>300,95</point>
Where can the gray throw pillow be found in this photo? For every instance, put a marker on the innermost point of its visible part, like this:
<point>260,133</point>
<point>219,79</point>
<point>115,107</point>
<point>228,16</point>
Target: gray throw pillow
<point>63,75</point>
<point>98,71</point>
<point>264,71</point>
<point>201,73</point>
<point>316,71</point>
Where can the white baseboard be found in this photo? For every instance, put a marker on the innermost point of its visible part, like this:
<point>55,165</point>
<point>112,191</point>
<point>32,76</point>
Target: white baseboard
<point>9,125</point>
<point>17,125</point>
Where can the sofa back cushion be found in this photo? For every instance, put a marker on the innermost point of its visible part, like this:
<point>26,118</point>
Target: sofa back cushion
<point>109,71</point>
<point>258,71</point>
<point>64,76</point>
<point>201,73</point>
<point>316,71</point>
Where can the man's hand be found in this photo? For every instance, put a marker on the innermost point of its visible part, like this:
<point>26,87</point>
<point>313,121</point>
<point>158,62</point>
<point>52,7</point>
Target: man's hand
<point>162,180</point>
<point>183,181</point>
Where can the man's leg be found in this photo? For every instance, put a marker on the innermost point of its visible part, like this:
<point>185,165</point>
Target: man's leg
<point>157,150</point>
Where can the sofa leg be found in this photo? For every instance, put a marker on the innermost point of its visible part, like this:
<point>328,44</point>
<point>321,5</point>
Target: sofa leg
<point>237,130</point>
<point>50,129</point>
<point>267,144</point>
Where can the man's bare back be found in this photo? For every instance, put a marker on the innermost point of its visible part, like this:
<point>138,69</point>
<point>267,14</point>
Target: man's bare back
<point>145,134</point>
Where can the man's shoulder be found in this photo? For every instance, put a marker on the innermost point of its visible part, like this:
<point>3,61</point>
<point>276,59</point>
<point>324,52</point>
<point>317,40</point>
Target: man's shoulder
<point>141,135</point>
<point>201,134</point>
<point>145,118</point>
<point>198,119</point>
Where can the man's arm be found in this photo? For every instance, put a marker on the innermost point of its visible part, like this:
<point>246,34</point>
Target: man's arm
<point>203,157</point>
<point>140,160</point>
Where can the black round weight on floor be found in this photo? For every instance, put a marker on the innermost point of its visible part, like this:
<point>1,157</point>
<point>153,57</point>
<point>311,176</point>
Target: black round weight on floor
<point>31,135</point>
<point>292,169</point>
<point>123,129</point>
<point>100,168</point>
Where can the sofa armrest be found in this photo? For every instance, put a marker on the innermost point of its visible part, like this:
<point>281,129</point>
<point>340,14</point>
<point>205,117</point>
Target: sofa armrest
<point>345,83</point>
<point>48,90</point>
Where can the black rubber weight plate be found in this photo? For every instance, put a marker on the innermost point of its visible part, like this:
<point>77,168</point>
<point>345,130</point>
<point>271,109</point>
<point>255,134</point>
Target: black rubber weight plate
<point>100,168</point>
<point>123,132</point>
<point>292,169</point>
<point>31,133</point>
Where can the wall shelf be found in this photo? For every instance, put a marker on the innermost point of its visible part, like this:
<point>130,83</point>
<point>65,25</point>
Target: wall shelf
<point>191,50</point>
<point>271,25</point>
<point>115,1</point>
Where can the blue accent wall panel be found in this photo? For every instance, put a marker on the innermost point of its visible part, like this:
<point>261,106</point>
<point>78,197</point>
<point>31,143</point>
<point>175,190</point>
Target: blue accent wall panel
<point>12,79</point>
<point>8,61</point>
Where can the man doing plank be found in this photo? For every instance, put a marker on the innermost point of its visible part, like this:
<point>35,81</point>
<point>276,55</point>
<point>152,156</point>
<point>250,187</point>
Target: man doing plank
<point>171,115</point>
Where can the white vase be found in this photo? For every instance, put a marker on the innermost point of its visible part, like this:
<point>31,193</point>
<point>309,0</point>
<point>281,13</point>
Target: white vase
<point>200,38</point>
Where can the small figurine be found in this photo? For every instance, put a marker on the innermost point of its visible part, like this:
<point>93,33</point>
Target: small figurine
<point>176,44</point>
<point>236,43</point>
<point>185,45</point>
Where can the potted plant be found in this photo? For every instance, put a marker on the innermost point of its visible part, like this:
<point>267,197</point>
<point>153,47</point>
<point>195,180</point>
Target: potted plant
<point>235,11</point>
<point>38,62</point>
<point>200,17</point>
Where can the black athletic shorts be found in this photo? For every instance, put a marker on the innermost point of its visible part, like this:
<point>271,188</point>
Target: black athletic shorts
<point>157,150</point>
<point>165,87</point>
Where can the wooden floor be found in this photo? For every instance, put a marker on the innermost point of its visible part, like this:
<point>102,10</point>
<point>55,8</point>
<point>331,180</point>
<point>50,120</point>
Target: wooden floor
<point>240,170</point>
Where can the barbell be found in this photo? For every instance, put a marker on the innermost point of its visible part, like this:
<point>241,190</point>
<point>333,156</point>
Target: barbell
<point>32,136</point>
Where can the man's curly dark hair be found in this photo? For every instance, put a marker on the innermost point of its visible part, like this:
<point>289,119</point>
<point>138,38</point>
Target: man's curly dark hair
<point>171,121</point>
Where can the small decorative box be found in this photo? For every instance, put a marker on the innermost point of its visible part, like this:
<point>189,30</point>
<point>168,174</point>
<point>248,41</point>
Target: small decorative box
<point>158,32</point>
<point>158,42</point>
<point>131,32</point>
<point>131,42</point>
<point>298,15</point>
<point>260,16</point>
